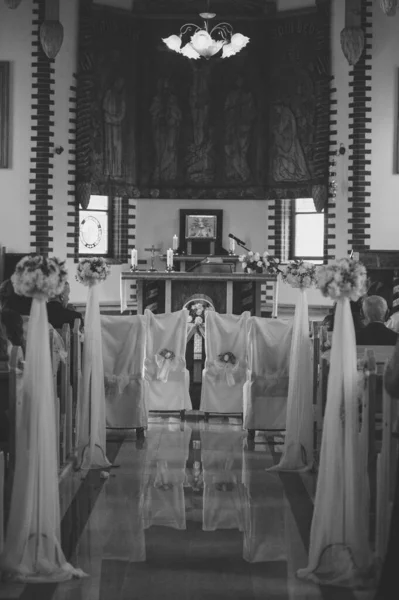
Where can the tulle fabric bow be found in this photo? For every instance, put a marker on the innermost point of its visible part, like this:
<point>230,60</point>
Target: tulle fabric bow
<point>166,361</point>
<point>228,365</point>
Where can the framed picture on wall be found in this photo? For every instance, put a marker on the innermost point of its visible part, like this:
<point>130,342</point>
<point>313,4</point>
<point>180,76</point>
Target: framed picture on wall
<point>4,113</point>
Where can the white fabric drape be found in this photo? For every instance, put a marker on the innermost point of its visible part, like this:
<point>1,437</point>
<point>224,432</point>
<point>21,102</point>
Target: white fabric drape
<point>298,447</point>
<point>123,343</point>
<point>339,551</point>
<point>92,412</point>
<point>32,551</point>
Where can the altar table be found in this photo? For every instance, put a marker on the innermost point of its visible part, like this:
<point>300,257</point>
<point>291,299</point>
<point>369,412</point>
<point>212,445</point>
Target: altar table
<point>231,293</point>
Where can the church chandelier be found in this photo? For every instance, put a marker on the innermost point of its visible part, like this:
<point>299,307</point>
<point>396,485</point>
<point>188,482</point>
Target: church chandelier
<point>206,42</point>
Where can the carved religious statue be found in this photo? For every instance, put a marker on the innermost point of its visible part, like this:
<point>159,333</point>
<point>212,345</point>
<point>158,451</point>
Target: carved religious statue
<point>239,110</point>
<point>114,111</point>
<point>166,121</point>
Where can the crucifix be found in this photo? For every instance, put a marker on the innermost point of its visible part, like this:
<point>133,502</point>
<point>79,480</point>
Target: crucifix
<point>152,250</point>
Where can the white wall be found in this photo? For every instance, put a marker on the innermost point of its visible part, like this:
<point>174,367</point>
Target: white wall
<point>385,181</point>
<point>16,47</point>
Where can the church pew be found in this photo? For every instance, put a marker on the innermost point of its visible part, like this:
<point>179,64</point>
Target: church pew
<point>54,368</point>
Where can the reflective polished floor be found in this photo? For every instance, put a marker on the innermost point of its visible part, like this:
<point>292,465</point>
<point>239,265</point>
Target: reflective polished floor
<point>188,514</point>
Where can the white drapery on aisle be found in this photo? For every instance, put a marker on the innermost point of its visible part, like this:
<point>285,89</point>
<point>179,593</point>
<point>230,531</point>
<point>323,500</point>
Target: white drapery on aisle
<point>298,447</point>
<point>32,551</point>
<point>92,411</point>
<point>339,551</point>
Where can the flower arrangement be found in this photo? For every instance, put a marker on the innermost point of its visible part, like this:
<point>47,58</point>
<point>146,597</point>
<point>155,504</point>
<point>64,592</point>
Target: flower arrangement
<point>167,354</point>
<point>227,358</point>
<point>91,271</point>
<point>254,262</point>
<point>36,276</point>
<point>300,274</point>
<point>196,312</point>
<point>342,278</point>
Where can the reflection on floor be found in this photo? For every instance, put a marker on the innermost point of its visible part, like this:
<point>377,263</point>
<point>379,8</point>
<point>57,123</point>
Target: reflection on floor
<point>190,514</point>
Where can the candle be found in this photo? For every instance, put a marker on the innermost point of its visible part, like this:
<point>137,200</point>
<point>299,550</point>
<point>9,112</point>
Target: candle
<point>232,246</point>
<point>169,258</point>
<point>134,257</point>
<point>175,242</point>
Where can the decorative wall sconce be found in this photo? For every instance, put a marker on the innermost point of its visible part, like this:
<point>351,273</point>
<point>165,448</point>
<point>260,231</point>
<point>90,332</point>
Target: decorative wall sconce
<point>51,30</point>
<point>58,150</point>
<point>12,3</point>
<point>352,36</point>
<point>389,7</point>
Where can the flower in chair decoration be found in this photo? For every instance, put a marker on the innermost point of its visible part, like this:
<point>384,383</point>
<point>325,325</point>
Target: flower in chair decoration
<point>32,550</point>
<point>339,552</point>
<point>92,416</point>
<point>166,361</point>
<point>228,364</point>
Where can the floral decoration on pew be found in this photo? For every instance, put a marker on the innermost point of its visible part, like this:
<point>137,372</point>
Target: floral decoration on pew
<point>300,274</point>
<point>167,354</point>
<point>253,262</point>
<point>341,278</point>
<point>37,276</point>
<point>91,271</point>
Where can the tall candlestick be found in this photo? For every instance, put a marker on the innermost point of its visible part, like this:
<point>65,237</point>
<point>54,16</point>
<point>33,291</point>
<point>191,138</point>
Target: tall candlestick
<point>134,258</point>
<point>175,243</point>
<point>232,246</point>
<point>169,258</point>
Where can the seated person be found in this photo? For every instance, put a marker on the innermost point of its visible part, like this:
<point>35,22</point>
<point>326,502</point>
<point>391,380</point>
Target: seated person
<point>375,333</point>
<point>58,312</point>
<point>12,323</point>
<point>356,310</point>
<point>9,299</point>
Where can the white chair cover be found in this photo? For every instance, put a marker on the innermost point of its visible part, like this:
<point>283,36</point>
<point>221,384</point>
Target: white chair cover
<point>32,550</point>
<point>298,445</point>
<point>339,552</point>
<point>167,452</point>
<point>123,342</point>
<point>266,387</point>
<point>224,496</point>
<point>166,383</point>
<point>91,425</point>
<point>222,386</point>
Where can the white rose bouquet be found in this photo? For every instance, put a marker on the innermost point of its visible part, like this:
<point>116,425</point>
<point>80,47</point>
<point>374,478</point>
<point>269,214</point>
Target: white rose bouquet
<point>36,276</point>
<point>255,262</point>
<point>300,274</point>
<point>91,271</point>
<point>342,278</point>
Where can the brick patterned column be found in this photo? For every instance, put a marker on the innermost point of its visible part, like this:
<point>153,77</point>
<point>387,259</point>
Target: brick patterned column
<point>330,217</point>
<point>42,158</point>
<point>360,138</point>
<point>73,208</point>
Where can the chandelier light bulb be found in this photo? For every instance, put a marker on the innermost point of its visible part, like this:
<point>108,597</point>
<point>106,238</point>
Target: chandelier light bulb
<point>239,41</point>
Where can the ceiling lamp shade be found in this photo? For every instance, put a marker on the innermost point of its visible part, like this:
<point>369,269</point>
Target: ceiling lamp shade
<point>388,7</point>
<point>12,3</point>
<point>51,37</point>
<point>205,43</point>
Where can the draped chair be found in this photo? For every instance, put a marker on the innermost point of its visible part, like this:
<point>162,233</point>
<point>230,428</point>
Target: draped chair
<point>266,387</point>
<point>123,343</point>
<point>163,496</point>
<point>223,377</point>
<point>166,379</point>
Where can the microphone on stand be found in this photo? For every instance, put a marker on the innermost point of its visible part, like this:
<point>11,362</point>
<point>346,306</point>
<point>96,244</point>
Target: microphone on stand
<point>239,242</point>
